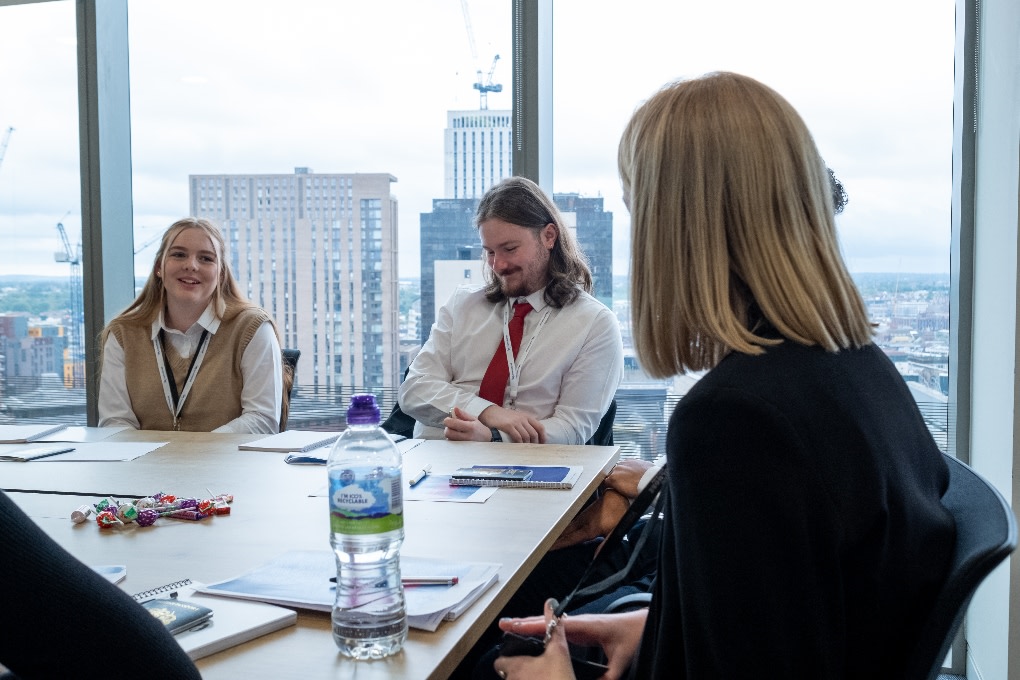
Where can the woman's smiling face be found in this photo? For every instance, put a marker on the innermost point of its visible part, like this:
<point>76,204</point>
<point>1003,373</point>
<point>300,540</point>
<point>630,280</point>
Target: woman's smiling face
<point>191,269</point>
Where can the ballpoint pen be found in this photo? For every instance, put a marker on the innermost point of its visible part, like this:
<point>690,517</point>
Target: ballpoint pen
<point>420,475</point>
<point>422,580</point>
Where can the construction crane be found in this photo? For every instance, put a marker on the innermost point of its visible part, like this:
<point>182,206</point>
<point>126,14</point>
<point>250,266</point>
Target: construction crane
<point>75,377</point>
<point>3,144</point>
<point>486,86</point>
<point>148,243</point>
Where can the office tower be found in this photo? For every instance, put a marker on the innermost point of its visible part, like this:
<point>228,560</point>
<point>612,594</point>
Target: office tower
<point>593,228</point>
<point>447,233</point>
<point>476,151</point>
<point>319,253</point>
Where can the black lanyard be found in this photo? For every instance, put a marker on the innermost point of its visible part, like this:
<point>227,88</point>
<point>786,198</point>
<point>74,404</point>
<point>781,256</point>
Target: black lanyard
<point>171,379</point>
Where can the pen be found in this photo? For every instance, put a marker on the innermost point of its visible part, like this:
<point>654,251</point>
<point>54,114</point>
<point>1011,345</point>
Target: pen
<point>422,580</point>
<point>420,475</point>
<point>47,452</point>
<point>430,581</point>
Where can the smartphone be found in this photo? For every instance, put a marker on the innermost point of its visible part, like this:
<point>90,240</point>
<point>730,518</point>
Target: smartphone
<point>521,645</point>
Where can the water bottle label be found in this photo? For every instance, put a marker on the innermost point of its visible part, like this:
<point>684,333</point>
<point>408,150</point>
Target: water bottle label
<point>363,502</point>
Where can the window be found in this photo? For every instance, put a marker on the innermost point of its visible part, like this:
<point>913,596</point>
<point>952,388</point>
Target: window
<point>190,119</point>
<point>41,304</point>
<point>887,136</point>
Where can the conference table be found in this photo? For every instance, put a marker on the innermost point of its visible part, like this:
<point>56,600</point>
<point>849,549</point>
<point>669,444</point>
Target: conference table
<point>279,507</point>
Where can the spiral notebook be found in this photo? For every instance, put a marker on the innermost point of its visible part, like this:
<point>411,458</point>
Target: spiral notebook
<point>231,622</point>
<point>291,441</point>
<point>541,477</point>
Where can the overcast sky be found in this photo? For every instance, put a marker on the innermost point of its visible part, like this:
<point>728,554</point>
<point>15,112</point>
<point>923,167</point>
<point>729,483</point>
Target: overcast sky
<point>231,86</point>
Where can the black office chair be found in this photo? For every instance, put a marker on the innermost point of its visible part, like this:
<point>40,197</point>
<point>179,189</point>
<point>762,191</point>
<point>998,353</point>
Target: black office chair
<point>604,432</point>
<point>985,536</point>
<point>290,359</point>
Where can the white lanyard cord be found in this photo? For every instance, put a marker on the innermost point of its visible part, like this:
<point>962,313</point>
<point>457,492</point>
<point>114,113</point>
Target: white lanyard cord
<point>516,366</point>
<point>175,410</point>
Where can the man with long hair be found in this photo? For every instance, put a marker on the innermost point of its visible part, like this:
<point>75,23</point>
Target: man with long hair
<point>473,380</point>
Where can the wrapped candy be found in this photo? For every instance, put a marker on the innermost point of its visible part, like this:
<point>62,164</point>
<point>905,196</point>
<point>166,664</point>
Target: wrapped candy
<point>145,511</point>
<point>81,514</point>
<point>147,517</point>
<point>106,519</point>
<point>127,513</point>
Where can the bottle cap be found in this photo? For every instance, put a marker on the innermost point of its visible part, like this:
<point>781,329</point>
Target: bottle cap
<point>363,410</point>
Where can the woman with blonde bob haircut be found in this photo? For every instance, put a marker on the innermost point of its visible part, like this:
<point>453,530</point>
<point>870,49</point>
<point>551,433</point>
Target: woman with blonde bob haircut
<point>191,352</point>
<point>804,535</point>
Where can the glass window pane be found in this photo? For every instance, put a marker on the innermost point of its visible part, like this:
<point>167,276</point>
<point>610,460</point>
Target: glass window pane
<point>41,349</point>
<point>319,135</point>
<point>873,80</point>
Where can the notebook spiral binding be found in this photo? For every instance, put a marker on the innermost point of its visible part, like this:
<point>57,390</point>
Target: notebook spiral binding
<point>153,592</point>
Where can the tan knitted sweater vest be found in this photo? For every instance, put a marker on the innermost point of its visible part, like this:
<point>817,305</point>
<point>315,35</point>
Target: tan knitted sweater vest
<point>215,396</point>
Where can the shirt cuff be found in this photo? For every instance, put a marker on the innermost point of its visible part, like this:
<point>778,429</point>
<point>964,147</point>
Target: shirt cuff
<point>647,477</point>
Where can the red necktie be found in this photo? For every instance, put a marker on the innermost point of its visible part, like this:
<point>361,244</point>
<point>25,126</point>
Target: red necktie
<point>497,374</point>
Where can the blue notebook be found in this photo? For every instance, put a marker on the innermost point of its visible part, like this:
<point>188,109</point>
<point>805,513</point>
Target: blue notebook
<point>542,476</point>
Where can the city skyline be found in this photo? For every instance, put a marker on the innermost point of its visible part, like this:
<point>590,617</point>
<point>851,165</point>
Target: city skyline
<point>269,92</point>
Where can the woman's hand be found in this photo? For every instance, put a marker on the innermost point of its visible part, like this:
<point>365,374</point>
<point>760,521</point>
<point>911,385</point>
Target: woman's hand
<point>617,634</point>
<point>625,475</point>
<point>596,520</point>
<point>554,662</point>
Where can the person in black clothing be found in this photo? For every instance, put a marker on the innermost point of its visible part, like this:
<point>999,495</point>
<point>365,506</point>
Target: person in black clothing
<point>60,619</point>
<point>804,534</point>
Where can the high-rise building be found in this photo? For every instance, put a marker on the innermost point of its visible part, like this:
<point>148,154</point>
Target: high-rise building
<point>476,149</point>
<point>447,233</point>
<point>319,253</point>
<point>593,227</point>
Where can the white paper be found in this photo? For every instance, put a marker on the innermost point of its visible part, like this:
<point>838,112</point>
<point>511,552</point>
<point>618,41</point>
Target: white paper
<point>105,452</point>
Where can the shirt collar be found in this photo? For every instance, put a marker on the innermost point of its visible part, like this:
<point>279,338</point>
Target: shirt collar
<point>536,300</point>
<point>208,321</point>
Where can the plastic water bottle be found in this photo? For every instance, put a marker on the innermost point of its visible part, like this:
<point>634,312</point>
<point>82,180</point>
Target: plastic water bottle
<point>366,518</point>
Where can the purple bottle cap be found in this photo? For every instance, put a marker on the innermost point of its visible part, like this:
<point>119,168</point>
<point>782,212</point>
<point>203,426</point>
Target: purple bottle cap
<point>363,410</point>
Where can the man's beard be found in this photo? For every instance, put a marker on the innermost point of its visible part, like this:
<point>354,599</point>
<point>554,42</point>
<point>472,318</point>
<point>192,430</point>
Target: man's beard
<point>512,291</point>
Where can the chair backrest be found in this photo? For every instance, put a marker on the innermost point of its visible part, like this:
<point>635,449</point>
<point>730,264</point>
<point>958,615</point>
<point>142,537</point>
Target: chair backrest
<point>985,535</point>
<point>290,359</point>
<point>399,422</point>
<point>604,433</point>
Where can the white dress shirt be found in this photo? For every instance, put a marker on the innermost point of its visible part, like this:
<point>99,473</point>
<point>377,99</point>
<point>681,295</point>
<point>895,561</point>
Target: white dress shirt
<point>261,391</point>
<point>568,378</point>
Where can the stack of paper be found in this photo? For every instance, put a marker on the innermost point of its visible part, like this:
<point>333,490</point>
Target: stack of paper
<point>290,441</point>
<point>301,578</point>
<point>22,434</point>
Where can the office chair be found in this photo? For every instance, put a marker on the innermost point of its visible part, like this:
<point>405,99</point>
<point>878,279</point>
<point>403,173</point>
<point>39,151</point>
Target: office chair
<point>604,432</point>
<point>290,359</point>
<point>985,535</point>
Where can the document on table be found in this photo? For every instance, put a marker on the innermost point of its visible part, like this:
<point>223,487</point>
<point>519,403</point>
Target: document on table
<point>76,433</point>
<point>22,434</point>
<point>301,578</point>
<point>100,452</point>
